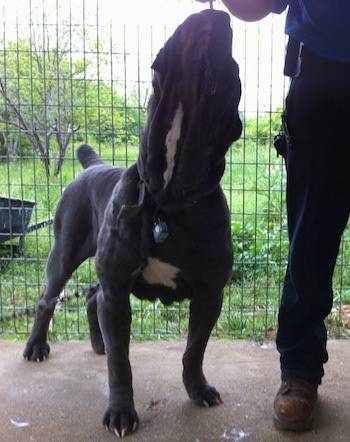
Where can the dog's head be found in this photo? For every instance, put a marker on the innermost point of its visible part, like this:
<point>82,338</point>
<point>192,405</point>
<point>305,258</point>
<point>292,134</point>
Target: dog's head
<point>193,111</point>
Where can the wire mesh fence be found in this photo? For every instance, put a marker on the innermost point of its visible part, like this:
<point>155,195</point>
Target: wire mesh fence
<point>74,72</point>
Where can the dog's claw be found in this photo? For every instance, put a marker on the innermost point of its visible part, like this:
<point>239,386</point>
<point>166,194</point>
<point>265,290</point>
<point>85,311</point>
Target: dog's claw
<point>36,352</point>
<point>203,395</point>
<point>119,423</point>
<point>124,432</point>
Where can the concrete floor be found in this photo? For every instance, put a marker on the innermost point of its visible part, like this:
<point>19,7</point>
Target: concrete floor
<point>64,398</point>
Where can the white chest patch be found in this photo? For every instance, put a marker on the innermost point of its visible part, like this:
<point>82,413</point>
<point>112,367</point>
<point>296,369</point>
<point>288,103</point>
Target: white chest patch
<point>159,272</point>
<point>171,144</point>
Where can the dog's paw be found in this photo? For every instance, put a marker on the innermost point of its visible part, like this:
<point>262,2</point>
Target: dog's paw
<point>121,422</point>
<point>204,395</point>
<point>36,351</point>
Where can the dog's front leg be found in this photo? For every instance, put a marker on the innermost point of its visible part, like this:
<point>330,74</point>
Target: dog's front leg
<point>114,314</point>
<point>203,316</point>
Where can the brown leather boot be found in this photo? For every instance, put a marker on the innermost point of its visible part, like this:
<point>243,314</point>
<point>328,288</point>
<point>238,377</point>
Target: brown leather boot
<point>294,405</point>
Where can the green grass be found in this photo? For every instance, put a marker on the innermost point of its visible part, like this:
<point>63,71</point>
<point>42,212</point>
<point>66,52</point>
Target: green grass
<point>253,182</point>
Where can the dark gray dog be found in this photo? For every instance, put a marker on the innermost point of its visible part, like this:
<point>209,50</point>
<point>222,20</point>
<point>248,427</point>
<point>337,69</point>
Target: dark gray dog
<point>160,228</point>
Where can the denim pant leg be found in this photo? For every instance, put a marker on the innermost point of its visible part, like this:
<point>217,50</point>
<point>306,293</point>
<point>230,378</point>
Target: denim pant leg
<point>318,204</point>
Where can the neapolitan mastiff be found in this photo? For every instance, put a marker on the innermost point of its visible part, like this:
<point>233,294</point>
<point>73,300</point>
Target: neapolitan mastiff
<point>160,228</point>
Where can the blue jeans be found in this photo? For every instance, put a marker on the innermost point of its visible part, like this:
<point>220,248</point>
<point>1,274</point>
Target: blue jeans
<point>318,205</point>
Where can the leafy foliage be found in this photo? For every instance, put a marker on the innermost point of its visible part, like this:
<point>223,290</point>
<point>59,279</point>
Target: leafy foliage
<point>48,95</point>
<point>263,127</point>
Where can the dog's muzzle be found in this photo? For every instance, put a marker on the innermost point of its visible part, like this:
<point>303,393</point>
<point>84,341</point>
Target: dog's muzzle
<point>193,111</point>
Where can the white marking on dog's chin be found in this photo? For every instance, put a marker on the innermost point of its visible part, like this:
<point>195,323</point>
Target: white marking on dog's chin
<point>171,144</point>
<point>159,272</point>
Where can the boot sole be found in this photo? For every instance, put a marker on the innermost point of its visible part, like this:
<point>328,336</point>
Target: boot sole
<point>292,426</point>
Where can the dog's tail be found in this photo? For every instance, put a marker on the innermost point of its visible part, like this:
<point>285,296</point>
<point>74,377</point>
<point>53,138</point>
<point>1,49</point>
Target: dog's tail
<point>88,157</point>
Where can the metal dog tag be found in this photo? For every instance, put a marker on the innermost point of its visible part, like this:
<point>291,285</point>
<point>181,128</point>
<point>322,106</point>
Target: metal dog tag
<point>160,231</point>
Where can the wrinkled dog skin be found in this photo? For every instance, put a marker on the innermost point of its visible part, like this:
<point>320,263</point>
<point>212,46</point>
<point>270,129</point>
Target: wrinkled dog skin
<point>110,213</point>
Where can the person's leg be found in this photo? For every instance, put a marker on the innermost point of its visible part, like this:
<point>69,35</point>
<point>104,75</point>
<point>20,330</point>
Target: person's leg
<point>318,203</point>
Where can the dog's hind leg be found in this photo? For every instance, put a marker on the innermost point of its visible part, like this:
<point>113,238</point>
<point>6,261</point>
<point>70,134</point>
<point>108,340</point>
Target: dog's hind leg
<point>37,348</point>
<point>203,316</point>
<point>64,258</point>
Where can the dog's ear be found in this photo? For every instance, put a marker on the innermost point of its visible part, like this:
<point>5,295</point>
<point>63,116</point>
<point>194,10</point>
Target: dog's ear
<point>167,59</point>
<point>158,64</point>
